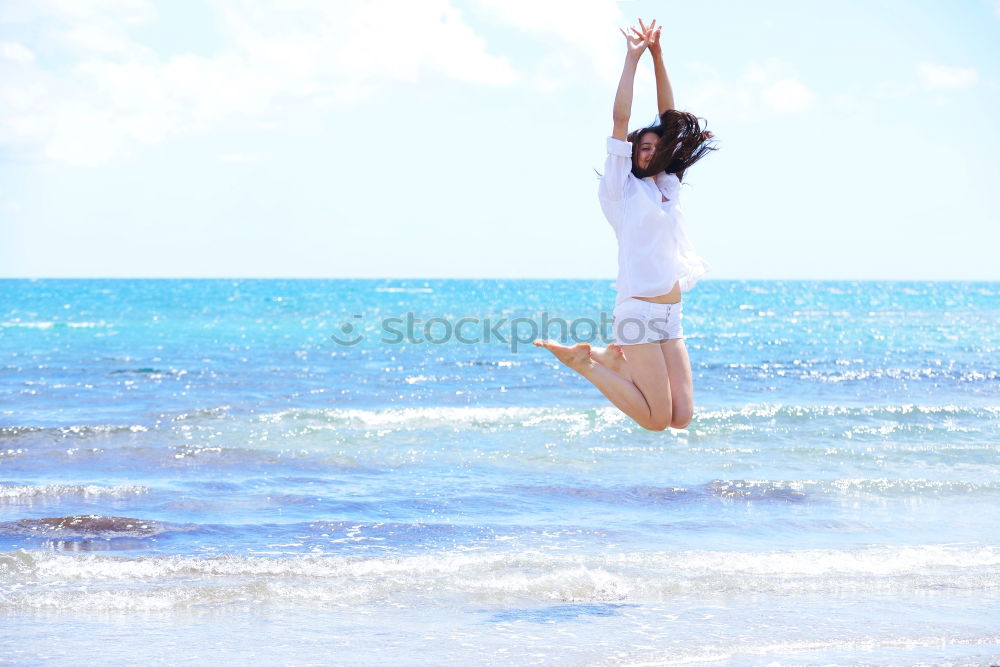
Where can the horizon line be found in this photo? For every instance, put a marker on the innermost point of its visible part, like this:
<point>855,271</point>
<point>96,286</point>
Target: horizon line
<point>424,278</point>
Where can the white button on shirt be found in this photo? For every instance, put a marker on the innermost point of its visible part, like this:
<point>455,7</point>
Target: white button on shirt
<point>654,250</point>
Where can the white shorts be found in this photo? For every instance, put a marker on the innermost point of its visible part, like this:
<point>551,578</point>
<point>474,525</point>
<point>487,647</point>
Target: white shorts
<point>636,321</point>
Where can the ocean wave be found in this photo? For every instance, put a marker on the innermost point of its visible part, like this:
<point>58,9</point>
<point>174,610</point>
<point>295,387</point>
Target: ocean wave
<point>797,490</point>
<point>749,490</point>
<point>359,438</point>
<point>38,580</point>
<point>880,487</point>
<point>781,491</point>
<point>818,370</point>
<point>65,432</point>
<point>93,525</point>
<point>184,456</point>
<point>50,324</point>
<point>304,421</point>
<point>19,492</point>
<point>149,371</point>
<point>778,410</point>
<point>421,417</point>
<point>429,417</point>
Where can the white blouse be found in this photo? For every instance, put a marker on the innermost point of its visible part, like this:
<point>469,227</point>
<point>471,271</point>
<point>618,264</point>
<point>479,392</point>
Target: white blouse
<point>654,250</point>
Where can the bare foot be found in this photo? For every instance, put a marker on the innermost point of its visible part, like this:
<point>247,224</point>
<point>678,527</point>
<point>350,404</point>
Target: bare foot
<point>576,357</point>
<point>613,358</point>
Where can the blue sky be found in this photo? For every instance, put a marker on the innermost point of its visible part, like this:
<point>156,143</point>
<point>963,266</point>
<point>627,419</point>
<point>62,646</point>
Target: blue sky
<point>459,138</point>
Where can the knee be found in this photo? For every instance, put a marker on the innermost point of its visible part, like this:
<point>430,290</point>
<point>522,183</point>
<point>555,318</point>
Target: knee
<point>658,423</point>
<point>680,422</point>
<point>681,419</point>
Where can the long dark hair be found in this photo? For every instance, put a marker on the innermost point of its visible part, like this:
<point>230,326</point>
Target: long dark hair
<point>682,143</point>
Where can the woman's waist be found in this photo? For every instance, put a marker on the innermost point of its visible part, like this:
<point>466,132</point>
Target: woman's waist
<point>673,296</point>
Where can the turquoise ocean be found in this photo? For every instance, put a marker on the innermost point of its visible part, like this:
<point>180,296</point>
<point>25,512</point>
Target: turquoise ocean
<point>386,472</point>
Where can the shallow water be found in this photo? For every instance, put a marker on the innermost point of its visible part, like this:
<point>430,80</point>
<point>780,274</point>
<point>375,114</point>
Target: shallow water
<point>195,464</point>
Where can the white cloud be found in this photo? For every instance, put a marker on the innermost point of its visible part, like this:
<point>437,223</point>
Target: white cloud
<point>110,92</point>
<point>16,52</point>
<point>765,88</point>
<point>240,158</point>
<point>943,76</point>
<point>129,11</point>
<point>889,91</point>
<point>78,133</point>
<point>787,96</point>
<point>575,35</point>
<point>849,102</point>
<point>427,33</point>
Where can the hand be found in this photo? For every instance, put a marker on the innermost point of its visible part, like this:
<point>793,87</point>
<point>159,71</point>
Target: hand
<point>652,34</point>
<point>637,41</point>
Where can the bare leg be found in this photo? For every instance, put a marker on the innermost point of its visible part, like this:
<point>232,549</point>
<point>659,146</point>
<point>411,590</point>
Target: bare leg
<point>628,396</point>
<point>675,354</point>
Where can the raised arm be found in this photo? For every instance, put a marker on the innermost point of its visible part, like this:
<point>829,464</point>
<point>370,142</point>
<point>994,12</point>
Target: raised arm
<point>623,98</point>
<point>664,94</point>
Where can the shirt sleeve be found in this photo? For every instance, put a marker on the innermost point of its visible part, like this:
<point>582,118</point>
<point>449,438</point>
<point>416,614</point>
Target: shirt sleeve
<point>617,168</point>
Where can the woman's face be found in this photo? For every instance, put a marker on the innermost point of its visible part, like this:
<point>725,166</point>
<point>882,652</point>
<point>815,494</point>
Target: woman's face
<point>647,145</point>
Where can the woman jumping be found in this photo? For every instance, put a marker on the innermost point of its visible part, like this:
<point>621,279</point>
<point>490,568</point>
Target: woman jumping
<point>647,373</point>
